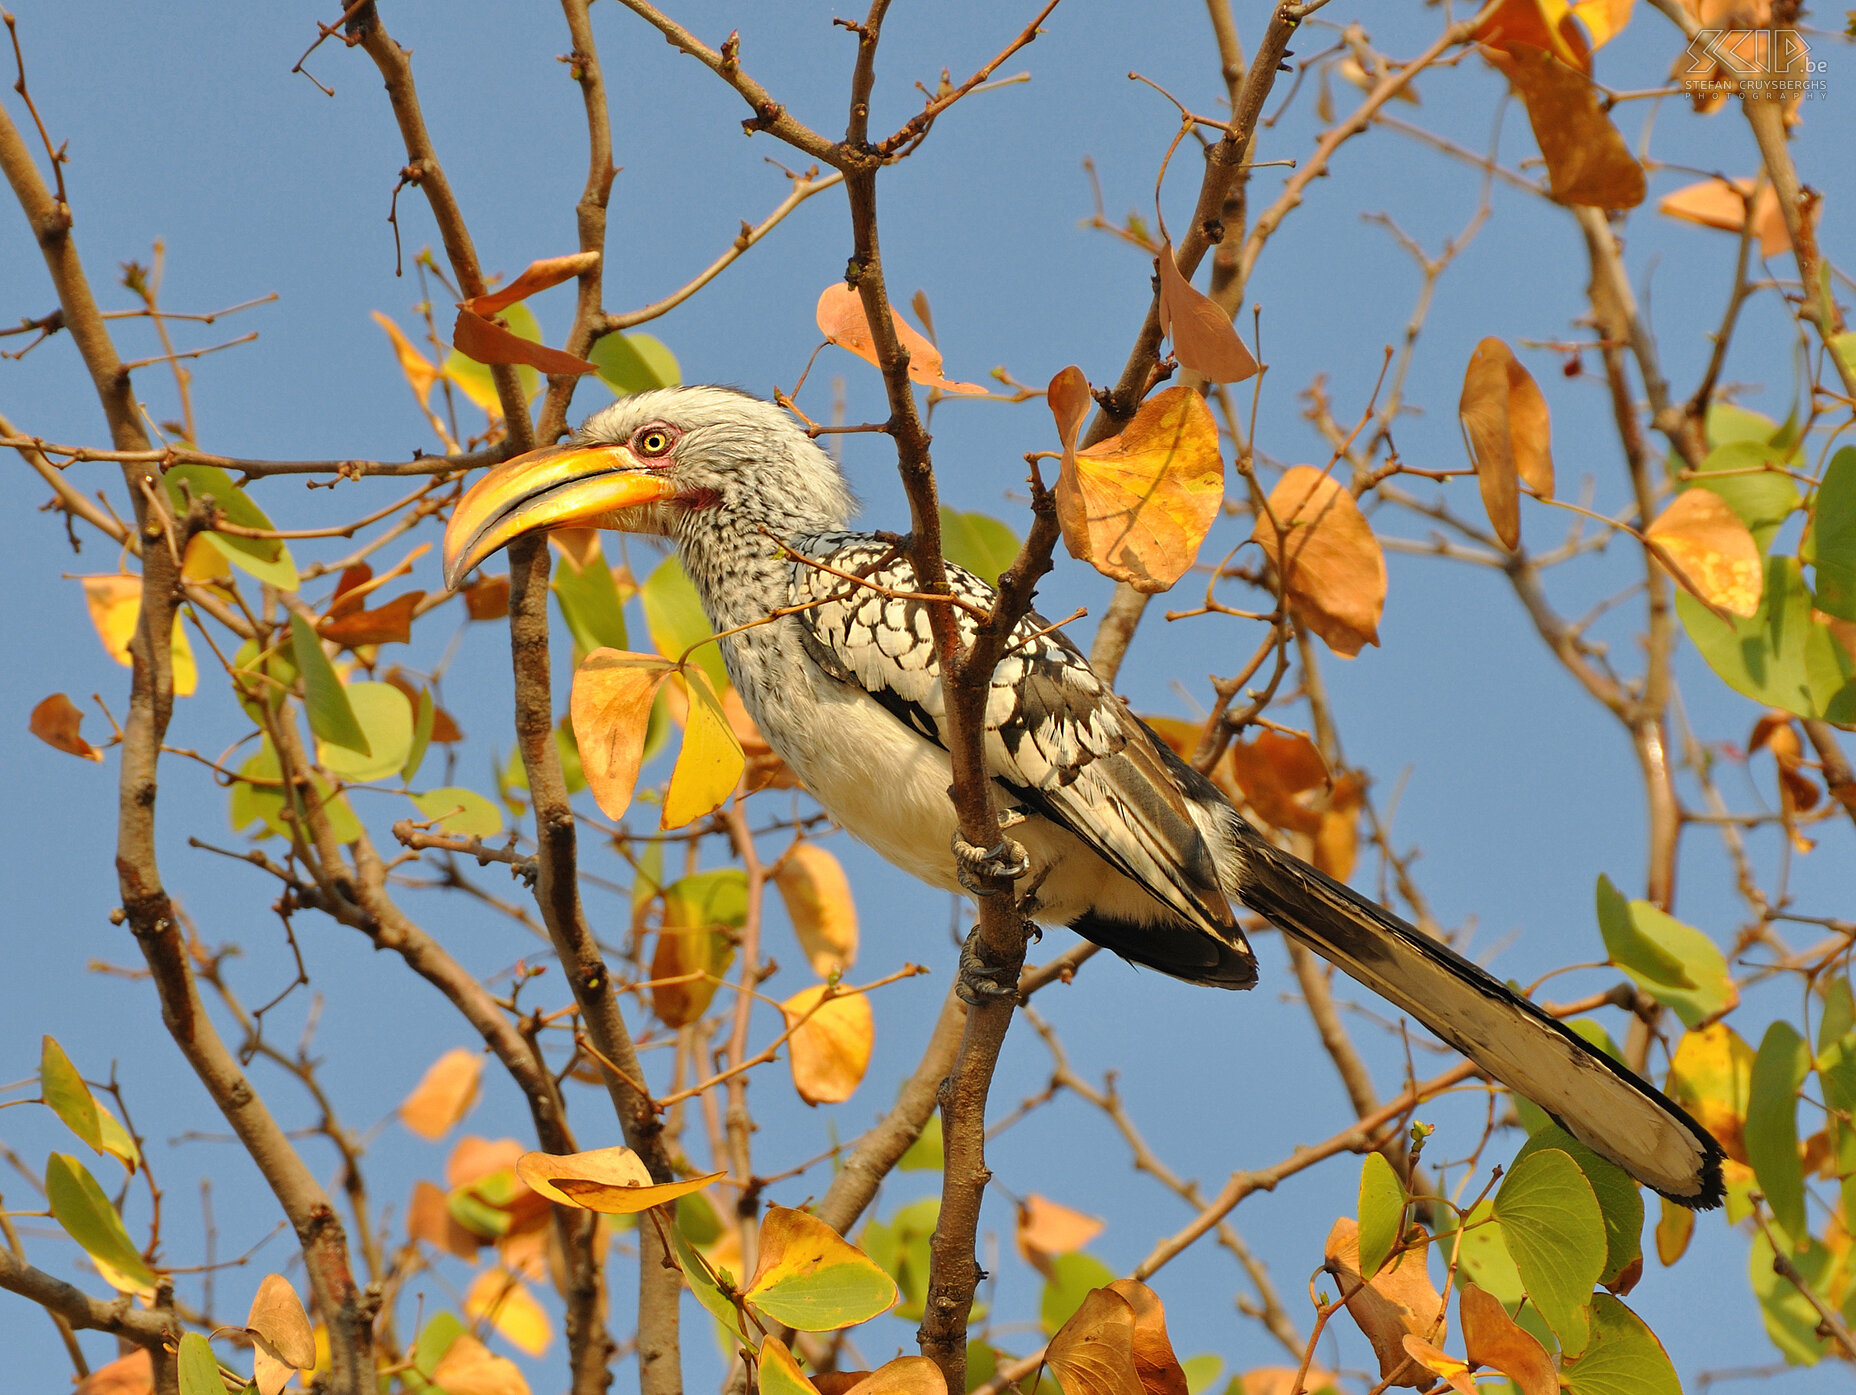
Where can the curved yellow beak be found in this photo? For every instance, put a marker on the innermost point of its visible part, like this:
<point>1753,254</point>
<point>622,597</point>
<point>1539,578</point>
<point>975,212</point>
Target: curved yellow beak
<point>555,487</point>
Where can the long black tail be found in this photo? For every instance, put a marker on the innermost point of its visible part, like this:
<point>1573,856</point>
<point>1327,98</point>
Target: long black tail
<point>1591,1096</point>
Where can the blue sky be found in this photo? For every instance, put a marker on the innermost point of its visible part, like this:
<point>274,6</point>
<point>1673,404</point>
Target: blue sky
<point>183,123</point>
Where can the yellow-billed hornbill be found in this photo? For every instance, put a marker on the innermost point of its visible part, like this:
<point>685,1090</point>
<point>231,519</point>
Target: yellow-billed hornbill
<point>1121,840</point>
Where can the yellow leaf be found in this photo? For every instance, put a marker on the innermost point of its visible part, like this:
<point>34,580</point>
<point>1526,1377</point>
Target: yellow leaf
<point>505,1301</point>
<point>204,562</point>
<point>812,1278</point>
<point>830,1050</point>
<point>444,1095</point>
<point>1587,160</point>
<point>779,1373</point>
<point>469,1368</point>
<point>1046,1228</point>
<point>611,712</point>
<point>611,1180</point>
<point>115,604</point>
<point>1440,1362</point>
<point>818,901</point>
<point>1710,1075</point>
<point>710,764</point>
<point>1137,506</point>
<point>420,371</point>
<point>841,319</point>
<point>1204,339</point>
<point>1333,572</point>
<point>1705,546</point>
<point>1603,19</point>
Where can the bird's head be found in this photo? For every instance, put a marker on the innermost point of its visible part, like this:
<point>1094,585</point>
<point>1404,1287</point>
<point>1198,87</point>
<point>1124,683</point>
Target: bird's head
<point>656,463</point>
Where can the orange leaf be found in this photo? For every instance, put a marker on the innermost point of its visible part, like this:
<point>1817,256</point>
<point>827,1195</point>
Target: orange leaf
<point>1286,1380</point>
<point>1506,427</point>
<point>538,276</point>
<point>428,1218</point>
<point>611,711</point>
<point>1046,1229</point>
<point>1492,1338</point>
<point>1337,841</point>
<point>420,371</point>
<point>841,319</point>
<point>1068,398</point>
<point>1705,546</point>
<point>1204,339</point>
<point>469,1368</point>
<point>1093,1353</point>
<point>1587,160</point>
<point>830,1050</point>
<point>1154,1361</point>
<point>1523,22</point>
<point>133,1374</point>
<point>475,1158</point>
<point>1333,573</point>
<point>1273,770</point>
<point>487,598</point>
<point>387,624</point>
<point>56,722</point>
<point>444,1095</point>
<point>1722,203</point>
<point>1440,1362</point>
<point>488,342</point>
<point>1399,1300</point>
<point>505,1301</point>
<point>818,901</point>
<point>1137,506</point>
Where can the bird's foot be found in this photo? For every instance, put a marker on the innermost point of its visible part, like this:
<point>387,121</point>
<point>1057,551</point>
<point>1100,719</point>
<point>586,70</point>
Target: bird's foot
<point>1006,861</point>
<point>979,982</point>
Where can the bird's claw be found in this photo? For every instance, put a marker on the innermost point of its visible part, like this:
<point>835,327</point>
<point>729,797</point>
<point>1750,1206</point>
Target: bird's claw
<point>974,866</point>
<point>979,982</point>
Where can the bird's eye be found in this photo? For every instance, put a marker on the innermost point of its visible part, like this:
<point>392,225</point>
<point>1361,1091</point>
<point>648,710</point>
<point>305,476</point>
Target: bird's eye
<point>653,441</point>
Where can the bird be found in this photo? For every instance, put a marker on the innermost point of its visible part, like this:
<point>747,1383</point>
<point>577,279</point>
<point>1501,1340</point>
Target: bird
<point>826,638</point>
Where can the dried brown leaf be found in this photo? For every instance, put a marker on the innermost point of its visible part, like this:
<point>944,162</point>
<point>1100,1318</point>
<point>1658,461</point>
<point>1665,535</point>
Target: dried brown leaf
<point>1204,339</point>
<point>535,278</point>
<point>1154,1361</point>
<point>387,624</point>
<point>1333,572</point>
<point>1137,506</point>
<point>1508,432</point>
<point>57,721</point>
<point>841,319</point>
<point>818,901</point>
<point>277,1316</point>
<point>1400,1300</point>
<point>444,1095</point>
<point>487,598</point>
<point>1587,160</point>
<point>1441,1363</point>
<point>1492,1338</point>
<point>1704,545</point>
<point>1093,1353</point>
<point>485,341</point>
<point>133,1374</point>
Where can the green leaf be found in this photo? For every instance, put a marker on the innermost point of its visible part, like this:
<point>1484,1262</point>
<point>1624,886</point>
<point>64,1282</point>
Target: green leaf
<point>1674,963</point>
<point>1763,499</point>
<point>629,363</point>
<point>1836,1072</point>
<point>262,685</point>
<point>697,1220</point>
<point>1728,423</point>
<point>978,542</point>
<point>1072,1277</point>
<point>385,720</point>
<point>1844,347</point>
<point>79,1205</point>
<point>265,558</point>
<point>1382,1212</point>
<point>1483,1255</point>
<point>1780,657</point>
<point>1623,1357</point>
<point>1833,536</point>
<point>197,1367</point>
<point>1839,1015</point>
<point>61,1087</point>
<point>1201,1372</point>
<point>434,1340</point>
<point>268,803</point>
<point>468,1207</point>
<point>901,1246</point>
<point>520,321</point>
<point>573,774</point>
<point>1556,1233</point>
<point>813,1279</point>
<point>702,1282</point>
<point>1779,1070</point>
<point>674,615</point>
<point>927,1153</point>
<point>460,811</point>
<point>1619,1199</point>
<point>424,716</point>
<point>1790,1319</point>
<point>983,1364</point>
<point>331,717</point>
<point>590,605</point>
